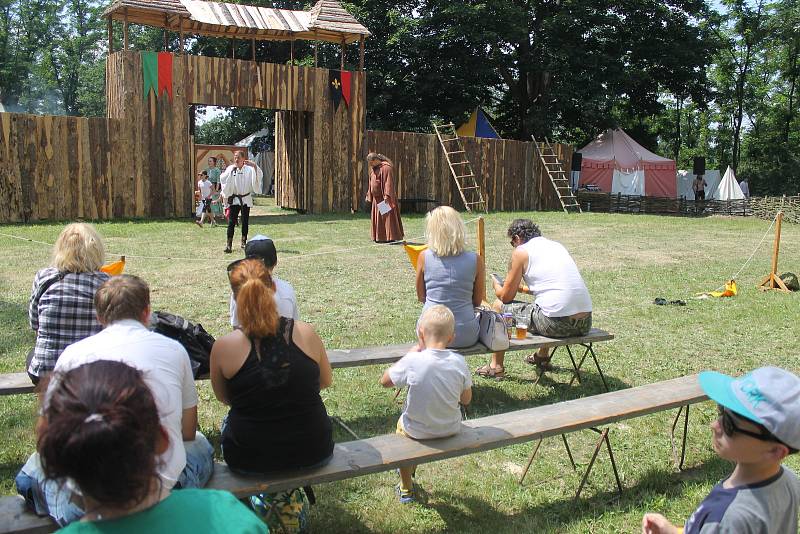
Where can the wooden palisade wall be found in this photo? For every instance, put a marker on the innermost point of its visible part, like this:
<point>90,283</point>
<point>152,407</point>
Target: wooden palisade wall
<point>509,172</point>
<point>56,167</point>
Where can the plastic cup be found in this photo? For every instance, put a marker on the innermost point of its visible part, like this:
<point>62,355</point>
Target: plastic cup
<point>522,330</point>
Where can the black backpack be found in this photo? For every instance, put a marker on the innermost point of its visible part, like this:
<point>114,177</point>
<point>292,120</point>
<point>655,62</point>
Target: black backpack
<point>193,337</point>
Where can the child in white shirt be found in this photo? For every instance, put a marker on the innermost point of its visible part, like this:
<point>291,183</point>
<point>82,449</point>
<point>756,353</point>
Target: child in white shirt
<point>438,379</point>
<point>205,187</point>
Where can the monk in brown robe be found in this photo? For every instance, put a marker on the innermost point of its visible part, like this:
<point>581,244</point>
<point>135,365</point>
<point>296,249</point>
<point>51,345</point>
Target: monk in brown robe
<point>386,227</point>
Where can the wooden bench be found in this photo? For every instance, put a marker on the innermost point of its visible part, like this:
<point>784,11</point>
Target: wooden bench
<point>383,453</point>
<point>16,383</point>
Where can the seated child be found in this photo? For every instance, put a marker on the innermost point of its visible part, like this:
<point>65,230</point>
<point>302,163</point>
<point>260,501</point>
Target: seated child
<point>757,428</point>
<point>438,379</point>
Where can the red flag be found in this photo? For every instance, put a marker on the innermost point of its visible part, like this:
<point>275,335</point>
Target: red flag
<point>165,74</point>
<point>347,78</point>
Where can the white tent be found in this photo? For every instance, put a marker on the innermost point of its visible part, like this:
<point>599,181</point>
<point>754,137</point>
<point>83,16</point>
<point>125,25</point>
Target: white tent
<point>684,181</point>
<point>728,188</point>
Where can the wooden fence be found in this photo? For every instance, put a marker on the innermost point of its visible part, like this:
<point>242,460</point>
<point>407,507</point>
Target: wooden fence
<point>54,167</point>
<point>511,176</point>
<point>762,207</point>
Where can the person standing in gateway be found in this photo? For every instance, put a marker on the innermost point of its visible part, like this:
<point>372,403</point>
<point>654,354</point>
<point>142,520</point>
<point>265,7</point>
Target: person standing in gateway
<point>240,182</point>
<point>386,223</point>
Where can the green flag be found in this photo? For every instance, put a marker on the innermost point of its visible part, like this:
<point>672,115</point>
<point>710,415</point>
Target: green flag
<point>150,72</point>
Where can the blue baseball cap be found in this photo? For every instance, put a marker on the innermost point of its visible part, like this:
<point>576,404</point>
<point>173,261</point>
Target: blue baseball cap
<point>769,396</point>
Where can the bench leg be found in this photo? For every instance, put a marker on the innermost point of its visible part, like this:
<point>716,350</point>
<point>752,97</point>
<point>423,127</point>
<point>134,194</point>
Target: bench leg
<point>530,461</point>
<point>679,463</point>
<point>576,369</point>
<point>598,445</point>
<point>589,351</point>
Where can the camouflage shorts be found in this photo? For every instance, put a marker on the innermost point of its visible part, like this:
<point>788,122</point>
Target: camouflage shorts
<point>543,325</point>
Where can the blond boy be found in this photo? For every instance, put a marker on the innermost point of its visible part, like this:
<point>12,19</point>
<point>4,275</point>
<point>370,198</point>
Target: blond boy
<point>438,379</point>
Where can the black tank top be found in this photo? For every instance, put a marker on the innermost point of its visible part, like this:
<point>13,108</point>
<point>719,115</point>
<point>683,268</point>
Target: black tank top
<point>277,420</point>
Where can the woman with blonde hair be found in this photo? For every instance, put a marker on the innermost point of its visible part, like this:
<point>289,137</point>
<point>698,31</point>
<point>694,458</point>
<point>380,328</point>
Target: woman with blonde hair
<point>61,307</point>
<point>386,225</point>
<point>270,372</point>
<point>449,275</point>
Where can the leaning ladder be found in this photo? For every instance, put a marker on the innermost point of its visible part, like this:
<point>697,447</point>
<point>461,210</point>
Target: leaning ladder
<point>460,167</point>
<point>558,176</point>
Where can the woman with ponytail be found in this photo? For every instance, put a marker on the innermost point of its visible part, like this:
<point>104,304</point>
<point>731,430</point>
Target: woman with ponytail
<point>270,372</point>
<point>100,430</point>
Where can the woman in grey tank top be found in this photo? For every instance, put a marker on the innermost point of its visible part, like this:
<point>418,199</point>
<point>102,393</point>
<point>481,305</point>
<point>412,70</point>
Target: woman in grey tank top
<point>449,275</point>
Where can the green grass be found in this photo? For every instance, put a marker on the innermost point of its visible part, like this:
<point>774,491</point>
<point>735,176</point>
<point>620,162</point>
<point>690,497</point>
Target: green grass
<point>364,295</point>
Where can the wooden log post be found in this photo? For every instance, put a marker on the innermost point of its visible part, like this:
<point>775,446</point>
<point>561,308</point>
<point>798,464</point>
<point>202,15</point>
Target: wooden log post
<point>772,280</point>
<point>361,53</point>
<point>342,55</point>
<point>110,36</point>
<point>166,25</point>
<point>182,40</point>
<point>253,48</point>
<point>482,241</point>
<point>125,30</point>
<point>316,53</point>
<point>291,51</point>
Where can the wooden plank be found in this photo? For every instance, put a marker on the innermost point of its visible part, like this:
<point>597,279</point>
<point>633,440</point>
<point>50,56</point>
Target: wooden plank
<point>15,517</point>
<point>384,453</point>
<point>17,383</point>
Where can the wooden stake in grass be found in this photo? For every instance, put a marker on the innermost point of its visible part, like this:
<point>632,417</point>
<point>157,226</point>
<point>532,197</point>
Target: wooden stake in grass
<point>772,280</point>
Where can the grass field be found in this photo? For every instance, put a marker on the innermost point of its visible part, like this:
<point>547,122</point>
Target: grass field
<point>359,294</point>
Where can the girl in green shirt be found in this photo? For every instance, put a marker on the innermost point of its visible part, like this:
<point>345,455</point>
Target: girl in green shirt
<point>100,429</point>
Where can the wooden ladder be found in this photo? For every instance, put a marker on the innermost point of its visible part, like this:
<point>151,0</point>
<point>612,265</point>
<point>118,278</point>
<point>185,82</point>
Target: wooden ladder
<point>460,167</point>
<point>558,176</point>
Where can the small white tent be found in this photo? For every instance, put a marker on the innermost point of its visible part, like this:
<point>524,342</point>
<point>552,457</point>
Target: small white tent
<point>728,188</point>
<point>265,160</point>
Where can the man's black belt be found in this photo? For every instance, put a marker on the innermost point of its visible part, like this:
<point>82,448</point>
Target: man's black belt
<point>240,197</point>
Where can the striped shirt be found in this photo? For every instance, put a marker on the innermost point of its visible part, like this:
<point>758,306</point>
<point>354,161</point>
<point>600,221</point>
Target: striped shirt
<point>62,315</point>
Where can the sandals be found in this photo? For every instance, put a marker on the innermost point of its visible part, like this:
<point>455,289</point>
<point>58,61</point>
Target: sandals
<point>542,363</point>
<point>487,371</point>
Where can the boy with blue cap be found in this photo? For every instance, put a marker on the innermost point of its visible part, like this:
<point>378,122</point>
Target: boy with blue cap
<point>758,426</point>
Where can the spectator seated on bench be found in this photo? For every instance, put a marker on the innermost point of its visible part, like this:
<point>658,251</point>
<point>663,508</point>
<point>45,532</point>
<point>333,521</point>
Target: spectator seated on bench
<point>270,372</point>
<point>562,307</point>
<point>449,275</point>
<point>61,310</point>
<point>123,306</point>
<point>438,380</point>
<point>101,429</point>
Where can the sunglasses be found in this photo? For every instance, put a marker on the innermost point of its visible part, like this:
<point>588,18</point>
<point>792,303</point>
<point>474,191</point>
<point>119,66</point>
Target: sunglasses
<point>730,428</point>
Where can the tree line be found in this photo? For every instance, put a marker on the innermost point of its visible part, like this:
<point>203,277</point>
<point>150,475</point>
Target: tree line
<point>685,78</point>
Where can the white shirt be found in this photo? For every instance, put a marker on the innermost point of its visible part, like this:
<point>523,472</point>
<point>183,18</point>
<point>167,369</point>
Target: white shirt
<point>285,300</point>
<point>554,279</point>
<point>205,188</point>
<point>435,379</point>
<point>244,181</point>
<point>166,369</point>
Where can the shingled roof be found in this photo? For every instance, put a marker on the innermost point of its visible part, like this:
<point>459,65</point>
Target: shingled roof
<point>327,20</point>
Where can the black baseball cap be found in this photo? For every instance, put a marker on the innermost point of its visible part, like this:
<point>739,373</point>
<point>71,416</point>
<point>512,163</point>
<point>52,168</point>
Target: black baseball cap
<point>263,248</point>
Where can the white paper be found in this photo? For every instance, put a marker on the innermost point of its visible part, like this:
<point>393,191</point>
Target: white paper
<point>383,207</point>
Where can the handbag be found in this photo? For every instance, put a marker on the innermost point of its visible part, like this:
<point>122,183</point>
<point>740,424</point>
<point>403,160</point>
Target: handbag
<point>492,332</point>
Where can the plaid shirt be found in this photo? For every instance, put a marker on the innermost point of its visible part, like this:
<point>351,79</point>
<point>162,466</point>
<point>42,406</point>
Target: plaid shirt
<point>63,315</point>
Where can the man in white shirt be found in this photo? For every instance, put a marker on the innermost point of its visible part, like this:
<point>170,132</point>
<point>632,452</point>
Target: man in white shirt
<point>240,182</point>
<point>263,248</point>
<point>562,306</point>
<point>123,307</point>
